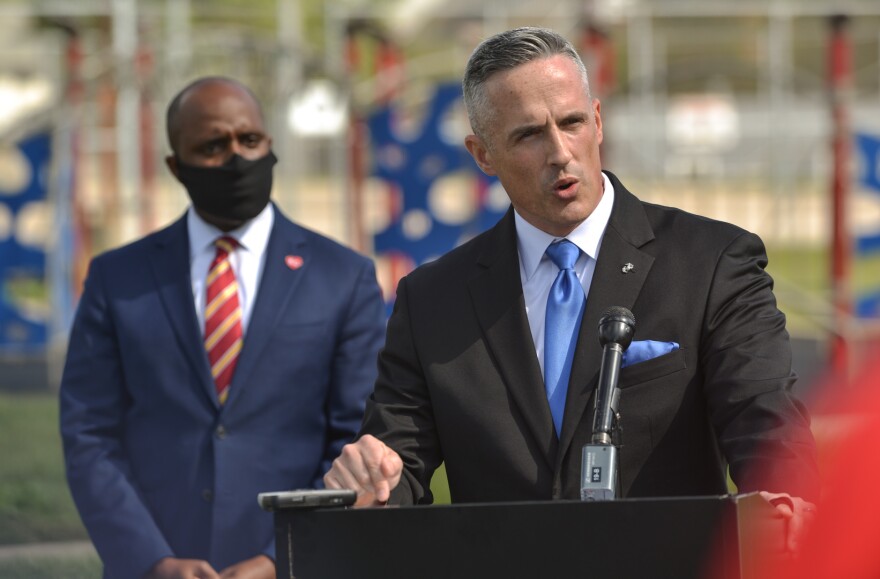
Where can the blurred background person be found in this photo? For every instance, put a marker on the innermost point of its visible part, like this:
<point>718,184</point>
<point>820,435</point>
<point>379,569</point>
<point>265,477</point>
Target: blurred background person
<point>227,354</point>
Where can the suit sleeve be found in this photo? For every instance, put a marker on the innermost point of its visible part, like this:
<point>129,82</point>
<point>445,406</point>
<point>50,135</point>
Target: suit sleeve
<point>353,374</point>
<point>359,337</point>
<point>93,406</point>
<point>399,412</point>
<point>762,428</point>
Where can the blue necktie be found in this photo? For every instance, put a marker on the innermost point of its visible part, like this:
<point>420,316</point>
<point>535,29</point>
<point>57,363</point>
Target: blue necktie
<point>565,308</point>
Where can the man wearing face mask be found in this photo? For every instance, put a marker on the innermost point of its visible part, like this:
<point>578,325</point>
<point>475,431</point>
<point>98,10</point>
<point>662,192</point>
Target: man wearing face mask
<point>225,355</point>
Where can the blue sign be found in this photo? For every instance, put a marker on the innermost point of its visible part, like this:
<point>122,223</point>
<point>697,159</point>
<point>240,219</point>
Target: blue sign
<point>868,147</point>
<point>412,166</point>
<point>23,265</point>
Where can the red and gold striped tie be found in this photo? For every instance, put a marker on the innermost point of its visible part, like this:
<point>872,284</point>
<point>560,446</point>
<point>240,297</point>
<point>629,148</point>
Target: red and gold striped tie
<point>223,335</point>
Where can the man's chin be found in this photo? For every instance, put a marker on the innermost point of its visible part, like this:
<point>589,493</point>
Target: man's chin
<point>224,224</point>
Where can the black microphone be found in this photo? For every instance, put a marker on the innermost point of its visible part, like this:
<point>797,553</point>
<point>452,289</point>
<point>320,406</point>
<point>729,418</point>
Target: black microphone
<point>599,458</point>
<point>616,328</point>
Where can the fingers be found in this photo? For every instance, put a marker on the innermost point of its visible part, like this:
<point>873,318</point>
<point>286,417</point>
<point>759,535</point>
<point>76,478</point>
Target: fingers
<point>172,568</point>
<point>385,473</point>
<point>799,514</point>
<point>799,524</point>
<point>203,570</point>
<point>392,468</point>
<point>259,567</point>
<point>369,467</point>
<point>783,502</point>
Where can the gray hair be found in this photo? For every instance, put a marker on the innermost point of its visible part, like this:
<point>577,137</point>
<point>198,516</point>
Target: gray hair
<point>505,51</point>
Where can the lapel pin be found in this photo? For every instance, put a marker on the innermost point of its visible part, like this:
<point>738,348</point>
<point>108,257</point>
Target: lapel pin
<point>294,262</point>
<point>627,267</point>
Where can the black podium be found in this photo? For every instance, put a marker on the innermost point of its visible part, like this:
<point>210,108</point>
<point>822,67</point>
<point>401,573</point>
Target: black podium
<point>676,538</point>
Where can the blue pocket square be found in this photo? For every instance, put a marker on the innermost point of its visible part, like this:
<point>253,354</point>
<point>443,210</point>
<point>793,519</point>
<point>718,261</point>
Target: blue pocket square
<point>644,350</point>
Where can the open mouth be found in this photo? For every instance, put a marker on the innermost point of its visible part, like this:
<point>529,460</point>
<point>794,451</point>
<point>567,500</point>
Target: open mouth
<point>564,185</point>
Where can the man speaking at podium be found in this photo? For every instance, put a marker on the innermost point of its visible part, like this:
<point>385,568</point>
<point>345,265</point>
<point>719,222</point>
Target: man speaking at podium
<point>471,373</point>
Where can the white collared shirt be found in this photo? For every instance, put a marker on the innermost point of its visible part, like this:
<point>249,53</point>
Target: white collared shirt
<point>247,260</point>
<point>537,272</point>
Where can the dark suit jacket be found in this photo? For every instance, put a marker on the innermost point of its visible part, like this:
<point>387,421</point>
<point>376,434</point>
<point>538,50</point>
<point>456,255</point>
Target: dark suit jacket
<point>156,466</point>
<point>459,379</point>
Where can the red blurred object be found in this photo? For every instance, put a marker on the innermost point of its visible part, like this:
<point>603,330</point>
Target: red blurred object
<point>843,541</point>
<point>600,59</point>
<point>75,93</point>
<point>839,80</point>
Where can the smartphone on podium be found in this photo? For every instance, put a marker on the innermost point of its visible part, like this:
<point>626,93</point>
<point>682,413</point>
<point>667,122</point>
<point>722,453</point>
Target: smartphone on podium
<point>306,499</point>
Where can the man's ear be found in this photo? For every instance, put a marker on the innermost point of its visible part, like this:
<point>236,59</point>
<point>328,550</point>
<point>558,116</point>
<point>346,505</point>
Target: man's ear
<point>171,162</point>
<point>480,152</point>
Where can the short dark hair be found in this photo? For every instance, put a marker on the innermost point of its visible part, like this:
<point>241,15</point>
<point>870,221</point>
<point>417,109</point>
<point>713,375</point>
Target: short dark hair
<point>505,51</point>
<point>172,113</point>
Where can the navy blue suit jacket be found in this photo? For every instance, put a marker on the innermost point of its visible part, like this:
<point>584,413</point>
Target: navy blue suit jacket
<point>156,466</point>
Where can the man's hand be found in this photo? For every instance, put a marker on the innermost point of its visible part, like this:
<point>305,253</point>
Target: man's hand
<point>259,567</point>
<point>367,466</point>
<point>800,515</point>
<point>171,568</point>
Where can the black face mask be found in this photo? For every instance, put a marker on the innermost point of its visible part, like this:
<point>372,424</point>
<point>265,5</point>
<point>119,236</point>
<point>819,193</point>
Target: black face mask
<point>236,191</point>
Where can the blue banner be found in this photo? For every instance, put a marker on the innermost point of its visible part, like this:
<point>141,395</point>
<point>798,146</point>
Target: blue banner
<point>868,148</point>
<point>411,165</point>
<point>23,329</point>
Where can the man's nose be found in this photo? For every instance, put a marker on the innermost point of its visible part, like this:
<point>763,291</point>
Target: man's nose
<point>235,148</point>
<point>558,152</point>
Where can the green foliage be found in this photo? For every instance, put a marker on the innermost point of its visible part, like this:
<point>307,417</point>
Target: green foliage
<point>803,285</point>
<point>35,504</point>
<point>440,486</point>
<point>810,269</point>
<point>69,567</point>
<point>806,267</point>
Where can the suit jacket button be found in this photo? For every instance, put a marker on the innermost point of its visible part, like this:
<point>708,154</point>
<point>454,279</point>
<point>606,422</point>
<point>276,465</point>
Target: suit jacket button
<point>207,495</point>
<point>220,432</point>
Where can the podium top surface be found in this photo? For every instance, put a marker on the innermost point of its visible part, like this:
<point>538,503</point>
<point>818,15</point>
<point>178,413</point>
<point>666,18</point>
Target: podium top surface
<point>672,537</point>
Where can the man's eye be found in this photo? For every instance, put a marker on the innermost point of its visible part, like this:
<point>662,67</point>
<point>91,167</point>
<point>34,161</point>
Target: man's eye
<point>211,148</point>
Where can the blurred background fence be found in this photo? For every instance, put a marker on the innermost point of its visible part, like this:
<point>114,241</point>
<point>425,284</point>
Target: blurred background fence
<point>723,108</point>
<point>765,114</point>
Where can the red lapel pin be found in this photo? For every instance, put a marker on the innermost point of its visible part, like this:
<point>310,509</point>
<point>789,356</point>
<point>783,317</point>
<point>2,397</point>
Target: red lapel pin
<point>294,262</point>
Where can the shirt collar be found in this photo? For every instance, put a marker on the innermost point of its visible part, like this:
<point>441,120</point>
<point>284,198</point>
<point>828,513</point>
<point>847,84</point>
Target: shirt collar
<point>253,236</point>
<point>532,242</point>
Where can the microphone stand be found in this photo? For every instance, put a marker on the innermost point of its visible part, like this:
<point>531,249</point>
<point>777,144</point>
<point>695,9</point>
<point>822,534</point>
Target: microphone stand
<point>599,458</point>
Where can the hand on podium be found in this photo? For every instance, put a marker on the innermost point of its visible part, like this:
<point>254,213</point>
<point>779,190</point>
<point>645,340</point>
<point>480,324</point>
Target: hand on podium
<point>174,568</point>
<point>800,515</point>
<point>367,466</point>
<point>259,567</point>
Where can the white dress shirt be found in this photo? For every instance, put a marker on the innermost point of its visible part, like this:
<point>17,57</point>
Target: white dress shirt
<point>537,271</point>
<point>247,260</point>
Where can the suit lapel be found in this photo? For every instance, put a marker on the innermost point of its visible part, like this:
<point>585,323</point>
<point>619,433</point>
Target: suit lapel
<point>277,284</point>
<point>628,229</point>
<point>171,268</point>
<point>498,301</point>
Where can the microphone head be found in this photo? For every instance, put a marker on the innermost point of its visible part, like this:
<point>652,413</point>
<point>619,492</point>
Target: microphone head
<point>617,326</point>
